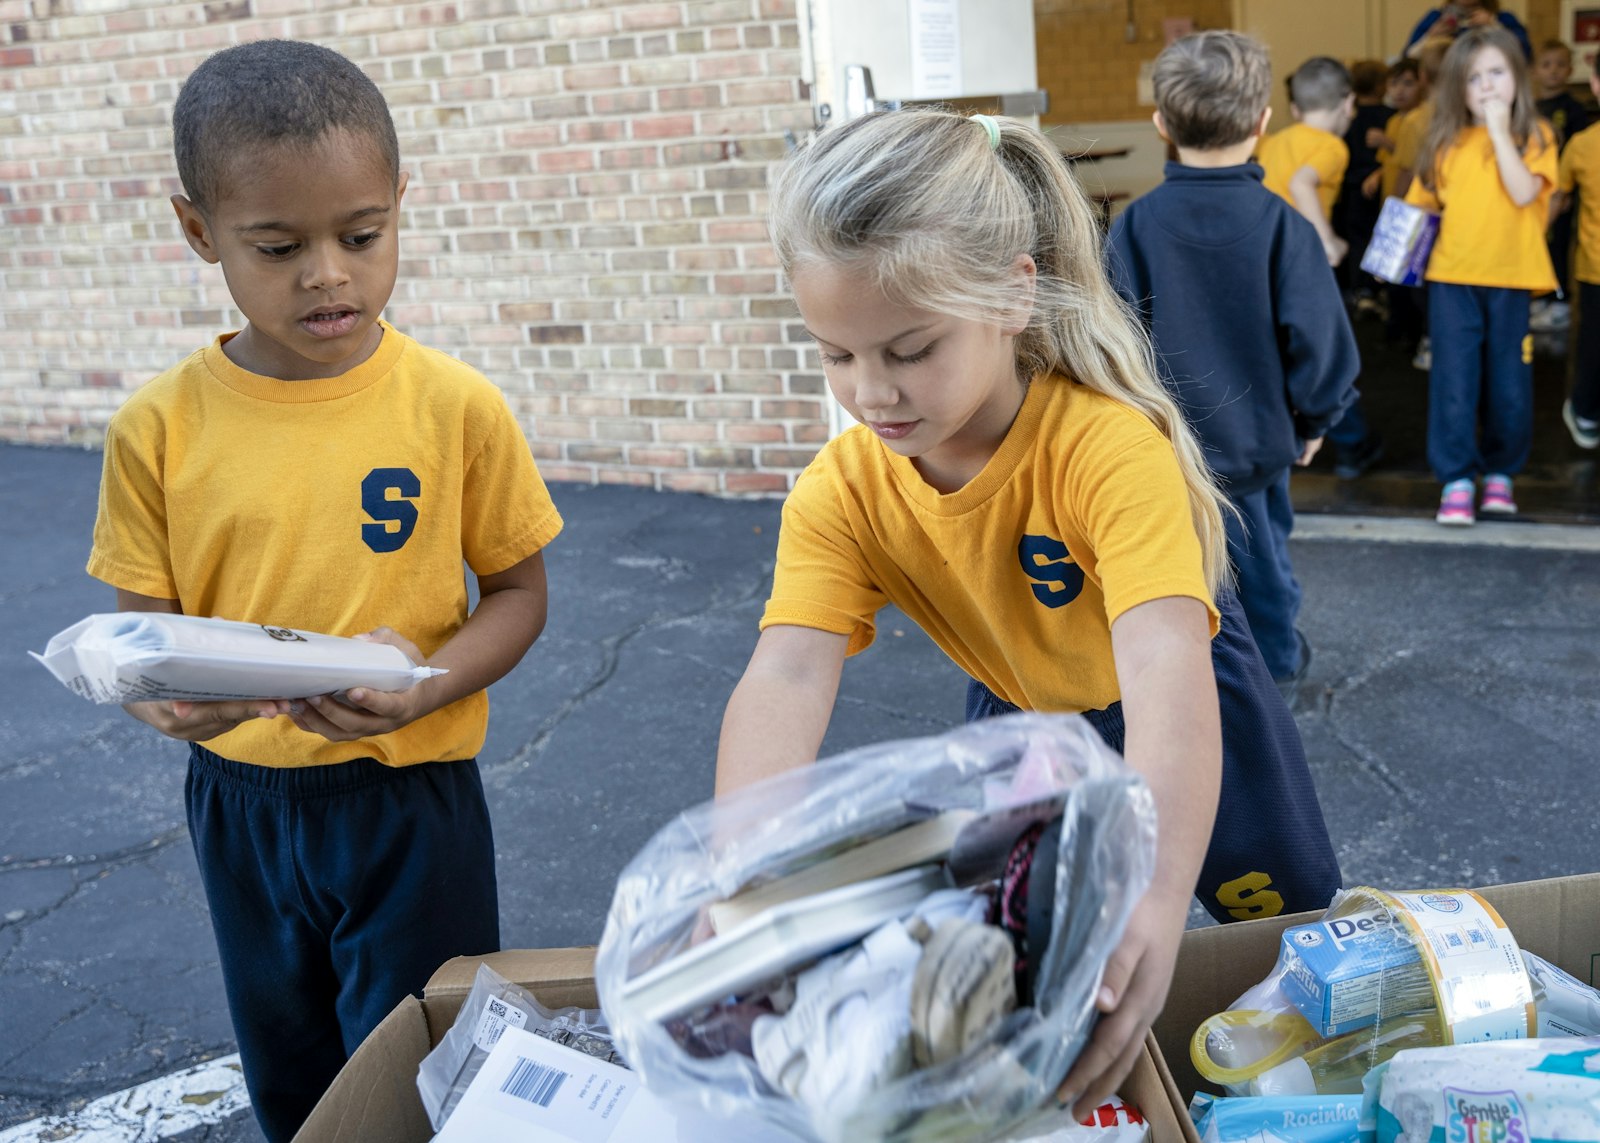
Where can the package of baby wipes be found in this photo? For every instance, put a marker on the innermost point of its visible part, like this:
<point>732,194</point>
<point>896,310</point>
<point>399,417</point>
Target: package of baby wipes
<point>140,656</point>
<point>1513,1091</point>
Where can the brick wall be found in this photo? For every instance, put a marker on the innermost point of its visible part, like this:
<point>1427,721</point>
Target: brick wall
<point>583,224</point>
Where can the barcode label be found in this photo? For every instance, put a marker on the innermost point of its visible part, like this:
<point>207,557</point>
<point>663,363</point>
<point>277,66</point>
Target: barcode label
<point>497,1016</point>
<point>533,1082</point>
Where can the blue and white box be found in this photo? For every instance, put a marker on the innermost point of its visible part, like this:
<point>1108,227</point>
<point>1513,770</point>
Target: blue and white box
<point>1401,243</point>
<point>1341,972</point>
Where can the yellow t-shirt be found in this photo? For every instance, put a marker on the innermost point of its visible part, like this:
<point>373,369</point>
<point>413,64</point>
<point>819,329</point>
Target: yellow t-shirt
<point>1484,238</point>
<point>1580,171</point>
<point>1080,515</point>
<point>334,505</point>
<point>1389,160</point>
<point>1284,152</point>
<point>1408,136</point>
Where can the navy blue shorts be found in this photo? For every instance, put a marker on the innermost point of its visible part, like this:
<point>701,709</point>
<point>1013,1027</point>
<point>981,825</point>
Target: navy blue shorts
<point>1270,852</point>
<point>335,891</point>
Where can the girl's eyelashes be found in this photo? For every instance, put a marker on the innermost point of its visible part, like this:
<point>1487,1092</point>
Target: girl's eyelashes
<point>897,358</point>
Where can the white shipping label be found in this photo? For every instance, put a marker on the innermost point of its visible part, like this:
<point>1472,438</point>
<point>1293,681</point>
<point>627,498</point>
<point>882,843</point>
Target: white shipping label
<point>498,1015</point>
<point>564,1093</point>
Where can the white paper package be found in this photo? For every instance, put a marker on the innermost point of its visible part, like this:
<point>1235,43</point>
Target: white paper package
<point>141,656</point>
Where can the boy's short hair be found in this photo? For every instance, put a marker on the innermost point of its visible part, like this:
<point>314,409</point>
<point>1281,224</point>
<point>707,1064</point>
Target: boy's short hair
<point>1211,88</point>
<point>1367,77</point>
<point>1320,84</point>
<point>1405,65</point>
<point>1553,46</point>
<point>270,93</point>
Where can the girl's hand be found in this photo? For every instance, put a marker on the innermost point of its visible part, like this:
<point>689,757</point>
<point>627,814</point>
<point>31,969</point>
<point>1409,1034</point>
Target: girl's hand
<point>1377,140</point>
<point>1370,184</point>
<point>1131,995</point>
<point>364,712</point>
<point>201,721</point>
<point>1309,451</point>
<point>1335,248</point>
<point>1479,17</point>
<point>1497,117</point>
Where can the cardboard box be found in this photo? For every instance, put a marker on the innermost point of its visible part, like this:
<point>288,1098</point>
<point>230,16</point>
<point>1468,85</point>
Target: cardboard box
<point>374,1099</point>
<point>1558,919</point>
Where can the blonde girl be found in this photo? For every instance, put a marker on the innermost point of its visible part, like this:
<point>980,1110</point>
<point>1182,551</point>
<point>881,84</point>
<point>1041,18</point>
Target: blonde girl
<point>1022,486</point>
<point>1488,166</point>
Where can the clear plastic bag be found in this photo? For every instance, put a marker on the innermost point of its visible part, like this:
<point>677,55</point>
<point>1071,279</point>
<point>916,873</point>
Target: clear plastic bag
<point>493,1005</point>
<point>1104,862</point>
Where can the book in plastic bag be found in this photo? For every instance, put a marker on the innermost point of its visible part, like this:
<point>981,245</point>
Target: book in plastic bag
<point>143,656</point>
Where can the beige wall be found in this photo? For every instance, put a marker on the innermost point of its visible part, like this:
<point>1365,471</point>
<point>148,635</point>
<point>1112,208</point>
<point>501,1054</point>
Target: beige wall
<point>1091,68</point>
<point>584,221</point>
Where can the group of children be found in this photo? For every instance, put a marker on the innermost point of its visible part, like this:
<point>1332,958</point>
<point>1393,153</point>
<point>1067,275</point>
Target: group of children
<point>1470,130</point>
<point>1071,469</point>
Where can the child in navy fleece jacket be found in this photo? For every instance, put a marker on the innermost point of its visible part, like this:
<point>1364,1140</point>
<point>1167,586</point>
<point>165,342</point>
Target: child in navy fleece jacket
<point>1249,328</point>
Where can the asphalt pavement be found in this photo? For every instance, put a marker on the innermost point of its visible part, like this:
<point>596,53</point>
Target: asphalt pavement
<point>1450,716</point>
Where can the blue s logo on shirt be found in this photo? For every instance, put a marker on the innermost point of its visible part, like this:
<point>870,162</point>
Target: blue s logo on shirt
<point>1058,580</point>
<point>380,537</point>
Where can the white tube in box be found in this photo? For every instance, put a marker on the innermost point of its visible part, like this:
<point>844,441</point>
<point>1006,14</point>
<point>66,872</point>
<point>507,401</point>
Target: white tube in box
<point>140,656</point>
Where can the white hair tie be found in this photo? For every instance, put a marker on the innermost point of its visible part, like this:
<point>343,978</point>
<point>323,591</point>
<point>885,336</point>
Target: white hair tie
<point>991,129</point>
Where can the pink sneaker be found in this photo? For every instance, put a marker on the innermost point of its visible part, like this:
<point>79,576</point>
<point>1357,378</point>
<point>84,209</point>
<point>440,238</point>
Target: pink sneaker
<point>1497,496</point>
<point>1455,505</point>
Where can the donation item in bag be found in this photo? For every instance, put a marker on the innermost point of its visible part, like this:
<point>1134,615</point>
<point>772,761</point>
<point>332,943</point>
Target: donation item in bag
<point>494,1006</point>
<point>909,937</point>
<point>142,656</point>
<point>1401,243</point>
<point>1379,973</point>
<point>1528,1091</point>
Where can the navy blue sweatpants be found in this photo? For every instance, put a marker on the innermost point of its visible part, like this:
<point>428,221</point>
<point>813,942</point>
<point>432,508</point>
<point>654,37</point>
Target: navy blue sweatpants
<point>1269,851</point>
<point>1258,545</point>
<point>1482,376</point>
<point>335,891</point>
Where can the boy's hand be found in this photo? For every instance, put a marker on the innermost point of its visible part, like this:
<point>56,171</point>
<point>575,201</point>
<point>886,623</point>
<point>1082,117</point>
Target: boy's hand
<point>1335,248</point>
<point>364,712</point>
<point>201,721</point>
<point>1370,184</point>
<point>1309,451</point>
<point>1376,139</point>
<point>1131,995</point>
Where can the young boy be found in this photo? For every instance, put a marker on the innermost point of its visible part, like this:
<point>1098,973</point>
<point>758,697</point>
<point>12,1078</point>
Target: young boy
<point>1552,70</point>
<point>320,470</point>
<point>1255,344</point>
<point>1305,165</point>
<point>1580,179</point>
<point>1306,161</point>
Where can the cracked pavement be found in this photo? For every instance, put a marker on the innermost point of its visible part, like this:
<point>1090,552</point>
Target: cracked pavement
<point>1450,716</point>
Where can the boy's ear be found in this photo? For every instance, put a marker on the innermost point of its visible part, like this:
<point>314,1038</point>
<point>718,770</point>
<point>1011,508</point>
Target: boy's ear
<point>1161,126</point>
<point>196,231</point>
<point>1266,117</point>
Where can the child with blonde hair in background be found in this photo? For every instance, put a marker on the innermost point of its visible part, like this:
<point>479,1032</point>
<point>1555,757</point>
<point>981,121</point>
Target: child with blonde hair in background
<point>1024,488</point>
<point>1488,166</point>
